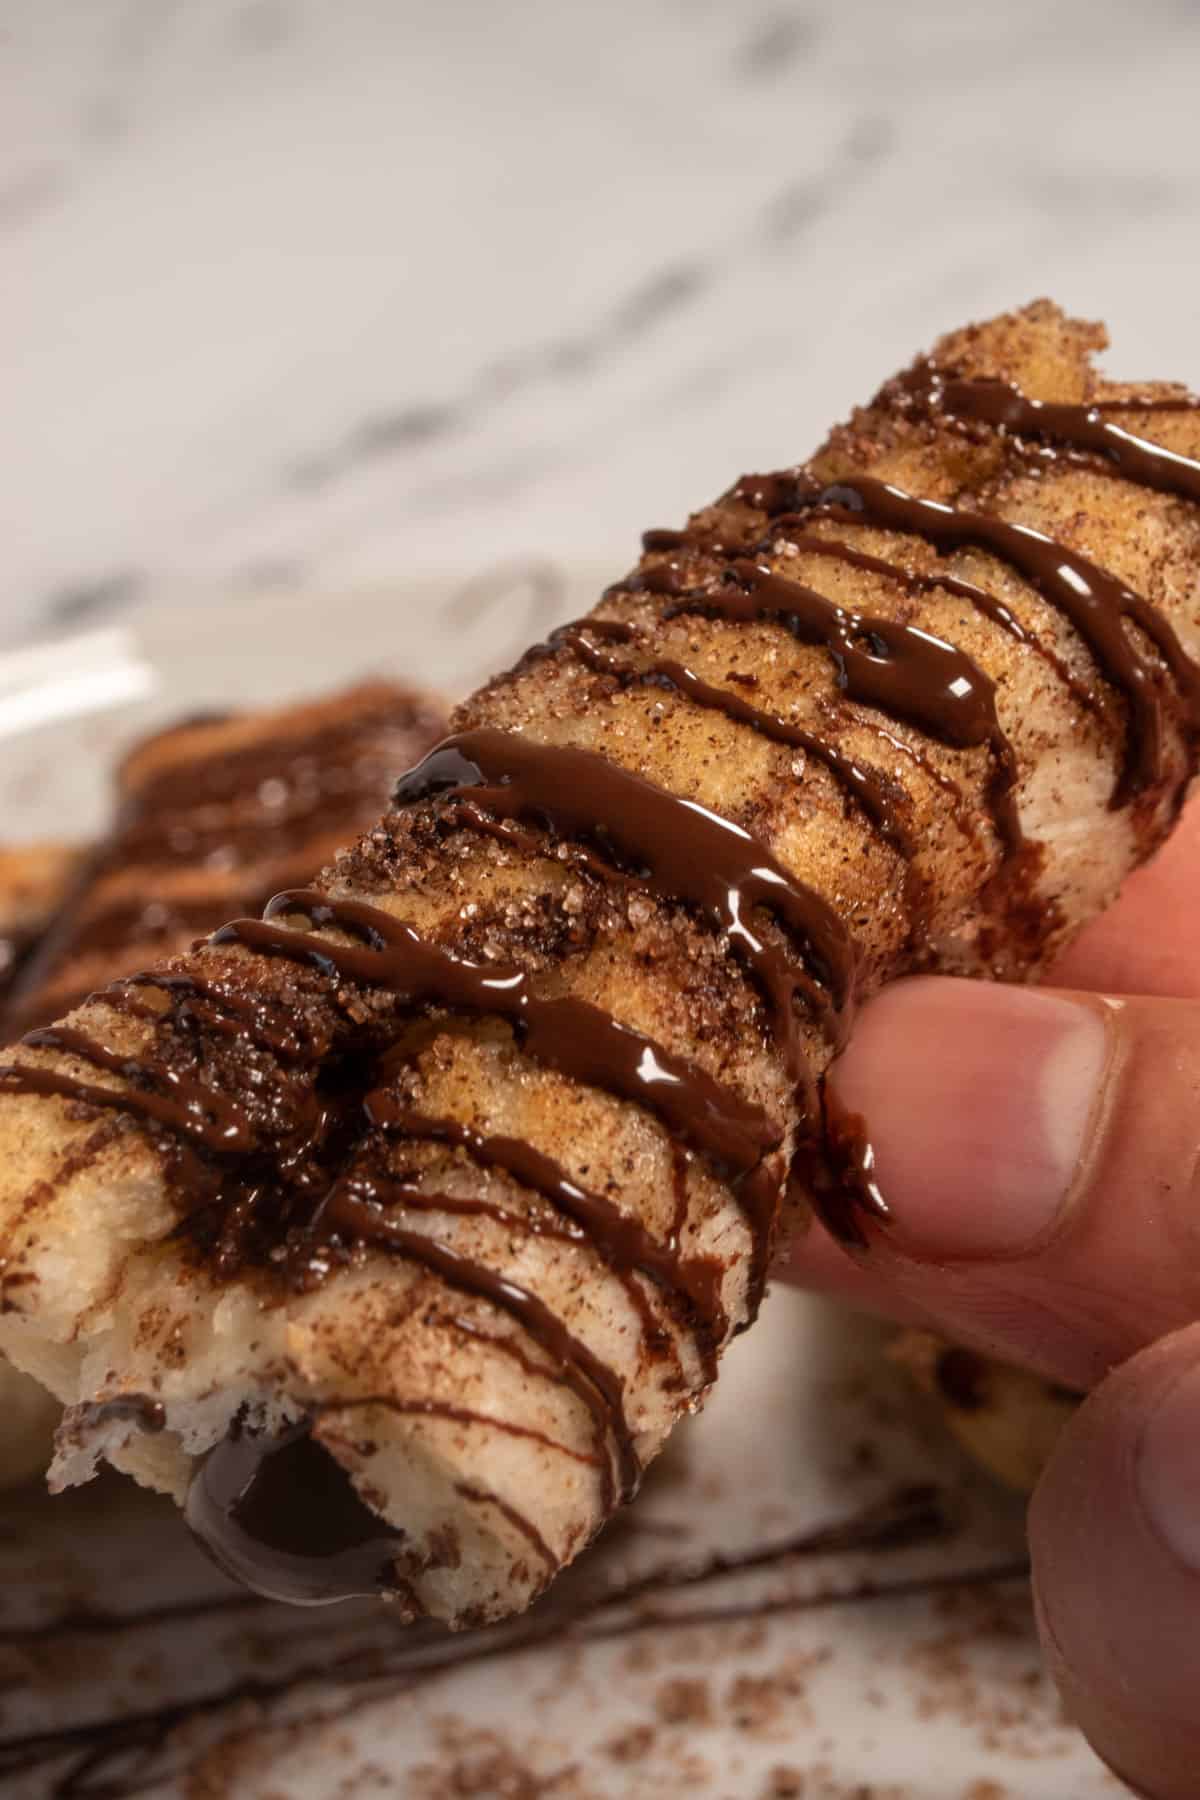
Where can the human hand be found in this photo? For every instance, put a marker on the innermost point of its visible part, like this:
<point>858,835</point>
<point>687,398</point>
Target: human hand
<point>1039,1154</point>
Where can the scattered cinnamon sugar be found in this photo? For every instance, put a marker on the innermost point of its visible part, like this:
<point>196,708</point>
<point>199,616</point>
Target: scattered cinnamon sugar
<point>684,1702</point>
<point>369,1778</point>
<point>820,1783</point>
<point>494,1772</point>
<point>632,1745</point>
<point>1009,1703</point>
<point>763,1704</point>
<point>221,1770</point>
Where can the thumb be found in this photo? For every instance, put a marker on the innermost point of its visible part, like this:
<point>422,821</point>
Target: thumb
<point>1036,1170</point>
<point>1115,1534</point>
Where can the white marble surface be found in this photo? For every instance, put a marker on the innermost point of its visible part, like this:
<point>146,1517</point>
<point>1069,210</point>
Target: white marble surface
<point>301,294</point>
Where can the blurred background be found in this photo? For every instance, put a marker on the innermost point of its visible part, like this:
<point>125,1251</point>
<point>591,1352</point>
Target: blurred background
<point>302,296</point>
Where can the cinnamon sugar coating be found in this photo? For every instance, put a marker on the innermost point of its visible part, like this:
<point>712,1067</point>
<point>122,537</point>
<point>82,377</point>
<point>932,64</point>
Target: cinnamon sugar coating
<point>295,1205</point>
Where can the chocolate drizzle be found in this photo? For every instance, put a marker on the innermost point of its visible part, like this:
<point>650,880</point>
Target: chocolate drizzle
<point>789,527</point>
<point>271,795</point>
<point>189,1108</point>
<point>312,1169</point>
<point>880,799</point>
<point>676,848</point>
<point>1096,603</point>
<point>565,1033</point>
<point>1080,432</point>
<point>568,1034</point>
<point>898,669</point>
<point>215,815</point>
<point>478,1496</point>
<point>843,1179</point>
<point>356,1210</point>
<point>621,1240</point>
<point>1151,403</point>
<point>561,1033</point>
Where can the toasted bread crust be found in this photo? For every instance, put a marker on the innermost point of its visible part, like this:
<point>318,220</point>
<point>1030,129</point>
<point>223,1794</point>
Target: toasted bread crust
<point>214,814</point>
<point>979,842</point>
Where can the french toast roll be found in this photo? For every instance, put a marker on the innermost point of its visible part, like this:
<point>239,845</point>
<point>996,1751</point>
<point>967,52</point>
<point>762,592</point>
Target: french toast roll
<point>391,1231</point>
<point>214,814</point>
<point>34,882</point>
<point>1007,1420</point>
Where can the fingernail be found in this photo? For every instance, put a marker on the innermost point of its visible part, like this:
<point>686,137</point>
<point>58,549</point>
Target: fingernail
<point>979,1103</point>
<point>1168,1469</point>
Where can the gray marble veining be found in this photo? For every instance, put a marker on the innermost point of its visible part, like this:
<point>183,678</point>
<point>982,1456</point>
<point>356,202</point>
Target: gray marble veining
<point>318,295</point>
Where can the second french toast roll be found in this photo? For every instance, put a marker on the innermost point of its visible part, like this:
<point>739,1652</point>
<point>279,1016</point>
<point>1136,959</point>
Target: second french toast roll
<point>35,879</point>
<point>214,814</point>
<point>457,1170</point>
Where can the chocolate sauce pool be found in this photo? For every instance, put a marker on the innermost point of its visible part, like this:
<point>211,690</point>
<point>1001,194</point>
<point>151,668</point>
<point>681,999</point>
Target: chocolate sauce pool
<point>282,1517</point>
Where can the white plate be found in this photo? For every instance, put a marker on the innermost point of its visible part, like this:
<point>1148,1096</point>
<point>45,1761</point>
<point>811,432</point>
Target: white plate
<point>67,708</point>
<point>899,1674</point>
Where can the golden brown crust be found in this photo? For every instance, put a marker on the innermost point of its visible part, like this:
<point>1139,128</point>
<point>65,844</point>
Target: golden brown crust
<point>34,881</point>
<point>448,1384</point>
<point>215,814</point>
<point>1006,1419</point>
